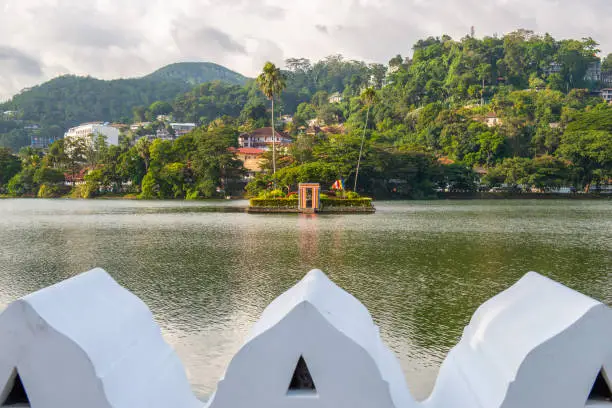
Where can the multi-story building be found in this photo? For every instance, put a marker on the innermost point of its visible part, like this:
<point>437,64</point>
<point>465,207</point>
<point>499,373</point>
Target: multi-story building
<point>606,78</point>
<point>250,157</point>
<point>181,129</point>
<point>593,72</point>
<point>606,94</point>
<point>95,128</point>
<point>553,68</point>
<point>262,139</point>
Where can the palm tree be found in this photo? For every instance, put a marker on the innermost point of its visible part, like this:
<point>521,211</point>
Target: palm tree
<point>271,82</point>
<point>368,97</point>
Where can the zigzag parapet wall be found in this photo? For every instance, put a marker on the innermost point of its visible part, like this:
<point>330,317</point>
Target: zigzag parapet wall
<point>88,342</point>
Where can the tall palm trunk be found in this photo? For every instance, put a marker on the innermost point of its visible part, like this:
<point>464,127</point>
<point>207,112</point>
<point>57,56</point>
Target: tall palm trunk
<point>361,148</point>
<point>273,141</point>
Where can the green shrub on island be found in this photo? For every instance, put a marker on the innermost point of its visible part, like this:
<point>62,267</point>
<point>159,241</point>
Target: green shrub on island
<point>346,202</point>
<point>277,193</point>
<point>351,195</point>
<point>282,202</point>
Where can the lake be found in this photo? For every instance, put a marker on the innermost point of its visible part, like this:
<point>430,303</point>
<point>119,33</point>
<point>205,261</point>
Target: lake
<point>207,272</point>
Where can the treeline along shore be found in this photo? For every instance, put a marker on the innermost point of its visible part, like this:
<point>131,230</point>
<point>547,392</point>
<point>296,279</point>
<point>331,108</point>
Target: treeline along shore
<point>519,114</point>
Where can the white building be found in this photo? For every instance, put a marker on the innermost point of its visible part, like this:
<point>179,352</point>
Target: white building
<point>537,344</point>
<point>606,94</point>
<point>314,346</point>
<point>593,72</point>
<point>336,97</point>
<point>139,125</point>
<point>87,342</point>
<point>85,131</point>
<point>181,129</point>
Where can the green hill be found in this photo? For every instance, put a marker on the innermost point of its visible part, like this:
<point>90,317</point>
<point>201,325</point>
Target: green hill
<point>69,100</point>
<point>195,73</point>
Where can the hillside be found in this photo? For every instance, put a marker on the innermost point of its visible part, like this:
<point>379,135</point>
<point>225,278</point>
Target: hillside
<point>195,73</point>
<point>69,100</point>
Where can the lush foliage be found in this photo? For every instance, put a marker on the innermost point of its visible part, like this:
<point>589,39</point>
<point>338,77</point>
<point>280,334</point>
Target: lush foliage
<point>346,202</point>
<point>458,115</point>
<point>279,202</point>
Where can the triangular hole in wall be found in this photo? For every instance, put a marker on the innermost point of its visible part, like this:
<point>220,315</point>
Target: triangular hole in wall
<point>17,396</point>
<point>302,382</point>
<point>600,390</point>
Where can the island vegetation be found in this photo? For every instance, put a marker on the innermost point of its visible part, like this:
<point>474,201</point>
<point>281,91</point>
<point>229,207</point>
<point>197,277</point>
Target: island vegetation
<point>517,111</point>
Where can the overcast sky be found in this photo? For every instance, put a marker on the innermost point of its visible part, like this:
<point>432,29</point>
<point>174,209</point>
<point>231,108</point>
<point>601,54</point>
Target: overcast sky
<point>40,39</point>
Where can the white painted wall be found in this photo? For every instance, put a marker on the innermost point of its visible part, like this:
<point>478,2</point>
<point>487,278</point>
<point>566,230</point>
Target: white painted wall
<point>85,130</point>
<point>88,342</point>
<point>337,338</point>
<point>537,344</point>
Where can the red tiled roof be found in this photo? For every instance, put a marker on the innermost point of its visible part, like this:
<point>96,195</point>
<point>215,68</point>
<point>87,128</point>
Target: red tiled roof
<point>445,160</point>
<point>249,150</point>
<point>266,131</point>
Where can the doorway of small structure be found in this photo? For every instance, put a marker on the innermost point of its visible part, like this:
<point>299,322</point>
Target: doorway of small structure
<point>14,394</point>
<point>309,198</point>
<point>600,391</point>
<point>302,383</point>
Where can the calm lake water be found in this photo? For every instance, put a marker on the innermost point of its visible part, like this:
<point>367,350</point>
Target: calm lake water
<point>421,268</point>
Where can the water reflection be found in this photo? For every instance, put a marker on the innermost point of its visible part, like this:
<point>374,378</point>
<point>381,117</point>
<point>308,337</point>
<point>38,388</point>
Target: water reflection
<point>420,267</point>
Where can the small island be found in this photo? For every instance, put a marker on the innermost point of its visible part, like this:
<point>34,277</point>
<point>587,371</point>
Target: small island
<point>310,200</point>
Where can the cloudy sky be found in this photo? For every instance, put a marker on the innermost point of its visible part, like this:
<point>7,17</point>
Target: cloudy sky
<point>40,39</point>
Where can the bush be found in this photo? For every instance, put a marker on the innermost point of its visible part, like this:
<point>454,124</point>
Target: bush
<point>323,196</point>
<point>50,191</point>
<point>351,195</point>
<point>278,193</point>
<point>86,190</point>
<point>274,202</point>
<point>149,187</point>
<point>355,202</point>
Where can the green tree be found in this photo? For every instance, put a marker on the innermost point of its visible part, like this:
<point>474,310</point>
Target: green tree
<point>10,165</point>
<point>590,153</point>
<point>271,82</point>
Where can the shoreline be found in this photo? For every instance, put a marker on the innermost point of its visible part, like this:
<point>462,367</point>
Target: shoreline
<point>438,196</point>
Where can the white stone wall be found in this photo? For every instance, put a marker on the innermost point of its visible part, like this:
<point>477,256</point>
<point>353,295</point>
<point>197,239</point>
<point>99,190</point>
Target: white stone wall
<point>87,342</point>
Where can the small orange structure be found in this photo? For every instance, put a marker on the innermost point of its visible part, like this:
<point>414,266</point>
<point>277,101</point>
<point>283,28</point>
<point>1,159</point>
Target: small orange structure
<point>309,197</point>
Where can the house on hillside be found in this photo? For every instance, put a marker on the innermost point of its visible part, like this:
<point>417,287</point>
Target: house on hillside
<point>262,139</point>
<point>492,120</point>
<point>250,158</point>
<point>181,129</point>
<point>336,97</point>
<point>135,126</point>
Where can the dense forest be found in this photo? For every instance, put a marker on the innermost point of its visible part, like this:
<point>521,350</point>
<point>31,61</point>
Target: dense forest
<point>518,111</point>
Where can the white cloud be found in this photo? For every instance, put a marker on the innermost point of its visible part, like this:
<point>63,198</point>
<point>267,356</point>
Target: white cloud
<point>40,39</point>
